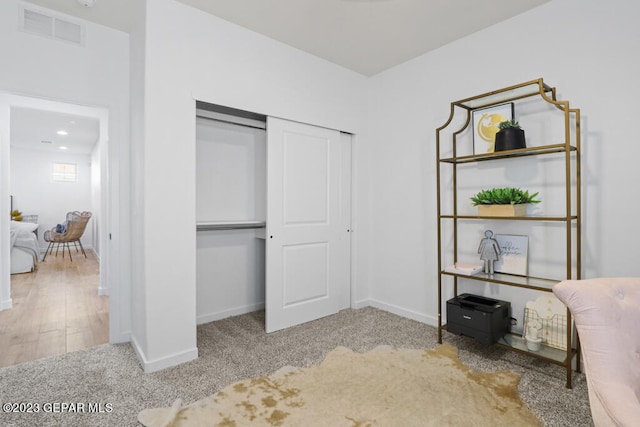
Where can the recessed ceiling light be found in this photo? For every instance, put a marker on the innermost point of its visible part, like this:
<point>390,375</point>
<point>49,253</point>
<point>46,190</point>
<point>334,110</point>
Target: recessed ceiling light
<point>62,132</point>
<point>62,147</point>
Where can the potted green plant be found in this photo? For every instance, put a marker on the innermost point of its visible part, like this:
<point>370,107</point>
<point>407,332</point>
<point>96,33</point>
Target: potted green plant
<point>510,136</point>
<point>507,201</point>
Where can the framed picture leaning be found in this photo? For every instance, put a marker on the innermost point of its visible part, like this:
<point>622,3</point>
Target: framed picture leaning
<point>485,126</point>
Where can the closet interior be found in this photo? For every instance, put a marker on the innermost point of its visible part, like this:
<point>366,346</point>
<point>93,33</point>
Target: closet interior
<point>230,211</point>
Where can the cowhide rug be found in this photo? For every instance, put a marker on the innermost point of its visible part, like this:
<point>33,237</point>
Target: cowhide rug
<point>383,387</point>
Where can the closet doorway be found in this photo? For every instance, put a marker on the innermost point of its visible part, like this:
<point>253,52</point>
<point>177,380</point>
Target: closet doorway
<point>273,217</point>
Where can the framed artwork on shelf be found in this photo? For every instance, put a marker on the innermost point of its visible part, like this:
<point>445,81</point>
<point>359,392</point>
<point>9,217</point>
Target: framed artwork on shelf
<point>485,126</point>
<point>513,254</point>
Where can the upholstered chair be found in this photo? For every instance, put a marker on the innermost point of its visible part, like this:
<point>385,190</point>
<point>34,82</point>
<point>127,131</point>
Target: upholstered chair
<point>607,317</point>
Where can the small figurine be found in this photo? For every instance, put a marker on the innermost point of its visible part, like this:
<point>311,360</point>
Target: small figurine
<point>489,251</point>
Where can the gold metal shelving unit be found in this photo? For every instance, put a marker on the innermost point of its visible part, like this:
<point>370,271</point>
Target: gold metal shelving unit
<point>570,151</point>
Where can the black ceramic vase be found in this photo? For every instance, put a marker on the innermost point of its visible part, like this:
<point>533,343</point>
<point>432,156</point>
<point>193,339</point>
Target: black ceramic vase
<point>509,139</point>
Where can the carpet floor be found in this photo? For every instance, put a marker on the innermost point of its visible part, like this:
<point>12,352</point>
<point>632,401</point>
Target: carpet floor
<point>105,386</point>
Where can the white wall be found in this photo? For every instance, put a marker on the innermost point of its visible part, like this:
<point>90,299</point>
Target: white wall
<point>206,58</point>
<point>586,50</point>
<point>34,192</point>
<point>93,75</point>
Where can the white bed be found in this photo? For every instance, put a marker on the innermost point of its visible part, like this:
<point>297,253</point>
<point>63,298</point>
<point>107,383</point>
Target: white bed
<point>24,247</point>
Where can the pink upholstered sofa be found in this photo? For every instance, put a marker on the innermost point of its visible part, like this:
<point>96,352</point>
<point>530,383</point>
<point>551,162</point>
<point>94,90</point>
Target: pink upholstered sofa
<point>607,316</point>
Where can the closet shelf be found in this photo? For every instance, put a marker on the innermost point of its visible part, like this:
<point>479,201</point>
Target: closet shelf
<point>229,225</point>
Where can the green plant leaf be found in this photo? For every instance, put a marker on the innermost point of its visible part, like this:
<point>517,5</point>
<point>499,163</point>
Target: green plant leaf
<point>508,124</point>
<point>504,196</point>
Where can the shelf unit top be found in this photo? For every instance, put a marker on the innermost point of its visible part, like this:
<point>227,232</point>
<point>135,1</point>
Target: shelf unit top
<point>511,93</point>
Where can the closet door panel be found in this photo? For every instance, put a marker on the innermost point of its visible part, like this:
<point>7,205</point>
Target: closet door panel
<point>304,263</point>
<point>307,240</point>
<point>306,179</point>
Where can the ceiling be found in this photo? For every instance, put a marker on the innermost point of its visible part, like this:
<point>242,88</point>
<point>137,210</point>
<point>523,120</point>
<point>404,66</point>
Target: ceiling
<point>366,36</point>
<point>30,127</point>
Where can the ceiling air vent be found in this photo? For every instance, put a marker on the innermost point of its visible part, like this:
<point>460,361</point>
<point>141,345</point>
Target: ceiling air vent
<point>68,31</point>
<point>38,23</point>
<point>50,26</point>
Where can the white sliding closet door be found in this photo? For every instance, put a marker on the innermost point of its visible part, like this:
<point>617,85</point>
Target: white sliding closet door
<point>308,223</point>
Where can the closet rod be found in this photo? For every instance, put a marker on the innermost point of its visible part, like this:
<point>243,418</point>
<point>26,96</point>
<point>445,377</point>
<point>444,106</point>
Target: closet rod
<point>230,225</point>
<point>237,123</point>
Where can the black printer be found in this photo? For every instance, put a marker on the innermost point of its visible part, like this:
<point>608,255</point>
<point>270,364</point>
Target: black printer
<point>485,319</point>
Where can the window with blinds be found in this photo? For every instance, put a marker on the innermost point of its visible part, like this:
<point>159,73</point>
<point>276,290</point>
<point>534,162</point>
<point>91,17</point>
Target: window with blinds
<point>64,172</point>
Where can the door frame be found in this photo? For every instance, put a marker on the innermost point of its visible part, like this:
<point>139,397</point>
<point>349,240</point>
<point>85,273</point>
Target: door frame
<point>107,193</point>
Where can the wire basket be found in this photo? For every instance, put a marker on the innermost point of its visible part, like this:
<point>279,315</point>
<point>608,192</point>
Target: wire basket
<point>554,328</point>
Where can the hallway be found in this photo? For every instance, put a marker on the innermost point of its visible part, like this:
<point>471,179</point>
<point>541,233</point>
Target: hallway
<point>56,310</point>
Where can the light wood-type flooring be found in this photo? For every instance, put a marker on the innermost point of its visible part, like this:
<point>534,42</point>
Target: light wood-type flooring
<point>56,310</point>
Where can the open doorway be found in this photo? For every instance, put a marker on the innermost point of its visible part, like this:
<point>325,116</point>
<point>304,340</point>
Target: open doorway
<point>61,304</point>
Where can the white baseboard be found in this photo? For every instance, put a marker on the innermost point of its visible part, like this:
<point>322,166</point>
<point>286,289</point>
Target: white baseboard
<point>219,315</point>
<point>6,304</point>
<point>139,352</point>
<point>400,311</point>
<point>121,338</point>
<point>361,304</point>
<point>163,362</point>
